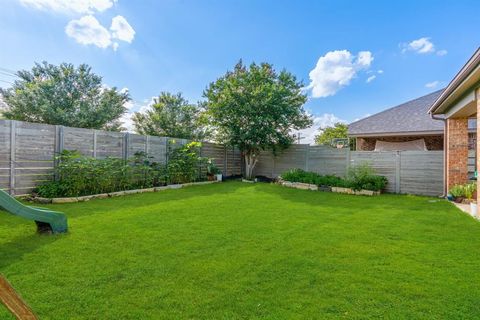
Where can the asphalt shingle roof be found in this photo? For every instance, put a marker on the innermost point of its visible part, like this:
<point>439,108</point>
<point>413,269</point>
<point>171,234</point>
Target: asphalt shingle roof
<point>411,116</point>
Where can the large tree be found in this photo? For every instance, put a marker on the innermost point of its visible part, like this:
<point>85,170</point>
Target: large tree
<point>170,115</point>
<point>327,134</point>
<point>256,108</point>
<point>64,95</point>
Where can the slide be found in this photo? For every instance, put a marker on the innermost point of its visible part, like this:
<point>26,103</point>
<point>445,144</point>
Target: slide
<point>47,221</point>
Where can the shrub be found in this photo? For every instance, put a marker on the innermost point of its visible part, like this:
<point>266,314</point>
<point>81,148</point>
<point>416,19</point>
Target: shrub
<point>358,177</point>
<point>299,175</point>
<point>457,191</point>
<point>363,177</point>
<point>77,175</point>
<point>185,164</point>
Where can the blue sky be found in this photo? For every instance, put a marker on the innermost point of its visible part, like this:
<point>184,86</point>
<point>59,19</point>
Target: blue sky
<point>406,48</point>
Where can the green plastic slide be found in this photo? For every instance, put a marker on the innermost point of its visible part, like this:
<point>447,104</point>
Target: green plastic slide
<point>46,220</point>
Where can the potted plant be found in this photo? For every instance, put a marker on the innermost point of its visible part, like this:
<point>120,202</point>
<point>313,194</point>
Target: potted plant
<point>214,172</point>
<point>458,193</point>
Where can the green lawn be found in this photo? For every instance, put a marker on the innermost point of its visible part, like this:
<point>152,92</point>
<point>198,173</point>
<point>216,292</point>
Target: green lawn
<point>248,251</point>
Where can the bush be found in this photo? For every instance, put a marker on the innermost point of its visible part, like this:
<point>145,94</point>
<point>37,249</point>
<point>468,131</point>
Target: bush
<point>464,190</point>
<point>77,175</point>
<point>185,164</point>
<point>363,177</point>
<point>299,175</point>
<point>358,178</point>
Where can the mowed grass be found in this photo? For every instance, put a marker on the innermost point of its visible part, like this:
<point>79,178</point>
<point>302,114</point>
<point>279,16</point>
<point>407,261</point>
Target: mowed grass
<point>248,251</point>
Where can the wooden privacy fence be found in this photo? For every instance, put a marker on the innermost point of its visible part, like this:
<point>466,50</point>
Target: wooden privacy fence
<point>28,150</point>
<point>412,172</point>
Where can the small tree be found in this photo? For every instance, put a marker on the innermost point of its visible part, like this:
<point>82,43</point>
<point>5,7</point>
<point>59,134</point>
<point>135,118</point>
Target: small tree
<point>64,95</point>
<point>170,115</point>
<point>327,134</point>
<point>255,108</point>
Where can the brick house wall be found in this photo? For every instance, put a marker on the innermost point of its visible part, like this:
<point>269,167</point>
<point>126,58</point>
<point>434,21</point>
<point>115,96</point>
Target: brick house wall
<point>457,151</point>
<point>368,143</point>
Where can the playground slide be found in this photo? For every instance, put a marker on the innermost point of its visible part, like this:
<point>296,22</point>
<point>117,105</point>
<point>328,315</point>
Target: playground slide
<point>46,220</point>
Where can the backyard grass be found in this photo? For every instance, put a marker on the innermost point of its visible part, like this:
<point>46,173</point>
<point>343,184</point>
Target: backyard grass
<point>248,251</point>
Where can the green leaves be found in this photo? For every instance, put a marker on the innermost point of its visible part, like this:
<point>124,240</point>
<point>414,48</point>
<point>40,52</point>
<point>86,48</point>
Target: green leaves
<point>256,108</point>
<point>170,116</point>
<point>64,95</point>
<point>339,130</point>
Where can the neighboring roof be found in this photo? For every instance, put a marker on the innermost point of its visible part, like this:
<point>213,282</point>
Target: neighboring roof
<point>407,118</point>
<point>463,81</point>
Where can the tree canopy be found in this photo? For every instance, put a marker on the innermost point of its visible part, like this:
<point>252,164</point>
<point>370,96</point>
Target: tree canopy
<point>64,95</point>
<point>256,108</point>
<point>170,115</point>
<point>327,134</point>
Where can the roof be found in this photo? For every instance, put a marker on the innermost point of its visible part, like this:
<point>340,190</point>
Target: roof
<point>463,81</point>
<point>407,118</point>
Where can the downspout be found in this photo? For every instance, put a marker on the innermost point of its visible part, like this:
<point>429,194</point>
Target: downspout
<point>445,191</point>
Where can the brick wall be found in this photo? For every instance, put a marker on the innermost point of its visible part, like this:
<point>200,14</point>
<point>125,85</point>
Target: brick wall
<point>368,144</point>
<point>457,151</point>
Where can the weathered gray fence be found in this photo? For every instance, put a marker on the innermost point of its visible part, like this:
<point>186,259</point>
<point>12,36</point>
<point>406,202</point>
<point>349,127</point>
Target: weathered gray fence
<point>28,150</point>
<point>413,172</point>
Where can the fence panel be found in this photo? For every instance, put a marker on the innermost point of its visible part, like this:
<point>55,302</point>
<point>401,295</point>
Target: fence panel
<point>421,172</point>
<point>384,163</point>
<point>326,160</point>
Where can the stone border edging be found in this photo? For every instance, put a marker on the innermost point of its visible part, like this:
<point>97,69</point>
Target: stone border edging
<point>314,187</point>
<point>116,193</point>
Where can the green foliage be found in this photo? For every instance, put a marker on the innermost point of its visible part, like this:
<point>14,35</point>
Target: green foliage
<point>212,169</point>
<point>299,175</point>
<point>256,108</point>
<point>327,134</point>
<point>170,116</point>
<point>64,95</point>
<point>185,164</point>
<point>358,178</point>
<point>464,190</point>
<point>78,175</point>
<point>363,176</point>
<point>457,191</point>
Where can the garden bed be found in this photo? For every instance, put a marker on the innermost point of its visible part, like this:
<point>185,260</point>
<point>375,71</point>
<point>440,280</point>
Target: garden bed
<point>314,187</point>
<point>115,194</point>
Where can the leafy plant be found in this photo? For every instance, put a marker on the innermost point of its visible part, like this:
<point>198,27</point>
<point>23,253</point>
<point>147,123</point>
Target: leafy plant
<point>185,163</point>
<point>457,191</point>
<point>299,175</point>
<point>469,190</point>
<point>212,169</point>
<point>363,176</point>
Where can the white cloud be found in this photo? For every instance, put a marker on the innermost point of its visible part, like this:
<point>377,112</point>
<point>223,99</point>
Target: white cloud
<point>380,71</point>
<point>422,46</point>
<point>432,84</point>
<point>335,70</point>
<point>87,30</point>
<point>323,121</point>
<point>70,6</point>
<point>442,52</point>
<point>121,29</point>
<point>371,78</point>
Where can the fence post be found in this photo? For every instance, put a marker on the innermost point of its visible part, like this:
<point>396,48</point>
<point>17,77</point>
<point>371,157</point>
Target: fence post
<point>348,158</point>
<point>397,171</point>
<point>59,143</point>
<point>13,133</point>
<point>126,144</point>
<point>307,152</point>
<point>147,144</point>
<point>94,143</point>
<point>225,161</point>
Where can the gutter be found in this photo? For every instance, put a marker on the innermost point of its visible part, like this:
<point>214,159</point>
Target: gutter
<point>445,146</point>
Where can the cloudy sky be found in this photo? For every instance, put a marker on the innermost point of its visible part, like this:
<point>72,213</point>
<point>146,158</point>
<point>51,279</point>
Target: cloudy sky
<point>354,57</point>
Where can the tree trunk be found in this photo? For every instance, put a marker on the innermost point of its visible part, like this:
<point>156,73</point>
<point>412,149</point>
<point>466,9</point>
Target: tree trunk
<point>250,162</point>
